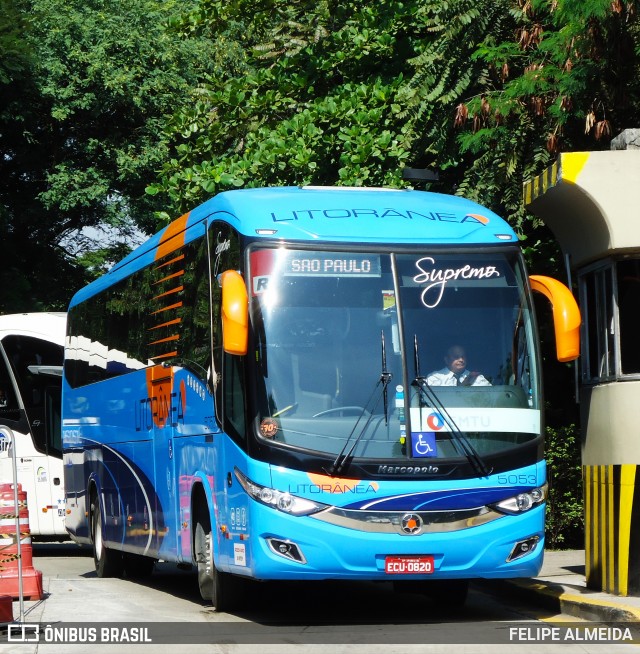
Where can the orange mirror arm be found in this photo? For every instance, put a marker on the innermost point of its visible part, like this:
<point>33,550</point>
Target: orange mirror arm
<point>566,315</point>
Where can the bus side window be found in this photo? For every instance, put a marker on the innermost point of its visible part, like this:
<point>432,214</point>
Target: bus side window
<point>26,355</point>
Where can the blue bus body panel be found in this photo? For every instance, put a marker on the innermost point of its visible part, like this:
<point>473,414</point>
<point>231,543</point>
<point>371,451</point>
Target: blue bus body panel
<point>333,551</point>
<point>367,216</point>
<point>341,215</point>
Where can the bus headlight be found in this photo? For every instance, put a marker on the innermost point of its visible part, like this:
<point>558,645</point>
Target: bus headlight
<point>279,500</point>
<point>522,501</point>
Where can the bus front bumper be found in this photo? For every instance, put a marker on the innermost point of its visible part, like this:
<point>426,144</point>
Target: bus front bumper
<point>281,546</point>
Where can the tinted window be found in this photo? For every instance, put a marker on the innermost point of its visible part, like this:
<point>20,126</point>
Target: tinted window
<point>158,314</point>
<point>29,357</point>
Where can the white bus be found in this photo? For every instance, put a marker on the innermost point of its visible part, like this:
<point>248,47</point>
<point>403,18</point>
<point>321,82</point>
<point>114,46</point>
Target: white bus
<point>31,355</point>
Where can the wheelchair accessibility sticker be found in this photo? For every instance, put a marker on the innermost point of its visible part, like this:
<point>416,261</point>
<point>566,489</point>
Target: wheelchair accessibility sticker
<point>423,443</point>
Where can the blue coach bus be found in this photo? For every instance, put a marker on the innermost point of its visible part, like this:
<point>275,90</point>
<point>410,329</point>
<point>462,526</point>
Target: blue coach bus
<point>250,392</point>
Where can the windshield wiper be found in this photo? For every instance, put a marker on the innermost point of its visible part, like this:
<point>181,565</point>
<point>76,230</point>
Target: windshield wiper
<point>343,459</point>
<point>459,438</point>
<point>385,378</point>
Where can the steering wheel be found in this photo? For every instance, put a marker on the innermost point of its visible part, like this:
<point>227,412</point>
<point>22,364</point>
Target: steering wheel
<point>350,410</point>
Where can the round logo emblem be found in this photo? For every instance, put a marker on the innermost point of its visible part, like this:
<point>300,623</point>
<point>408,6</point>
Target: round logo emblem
<point>435,421</point>
<point>269,428</point>
<point>411,523</point>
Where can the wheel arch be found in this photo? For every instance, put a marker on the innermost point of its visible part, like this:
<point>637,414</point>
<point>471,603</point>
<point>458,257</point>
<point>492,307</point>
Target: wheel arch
<point>202,510</point>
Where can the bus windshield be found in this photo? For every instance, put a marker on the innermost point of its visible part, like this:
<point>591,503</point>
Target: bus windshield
<point>393,355</point>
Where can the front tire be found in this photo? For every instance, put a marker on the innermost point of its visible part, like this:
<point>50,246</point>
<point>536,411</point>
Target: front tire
<point>204,562</point>
<point>223,590</point>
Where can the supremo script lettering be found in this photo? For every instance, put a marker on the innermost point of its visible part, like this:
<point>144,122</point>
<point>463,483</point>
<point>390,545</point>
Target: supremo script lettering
<point>436,278</point>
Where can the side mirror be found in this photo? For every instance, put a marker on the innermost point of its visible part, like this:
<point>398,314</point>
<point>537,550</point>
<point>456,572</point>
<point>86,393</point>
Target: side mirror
<point>235,313</point>
<point>566,315</point>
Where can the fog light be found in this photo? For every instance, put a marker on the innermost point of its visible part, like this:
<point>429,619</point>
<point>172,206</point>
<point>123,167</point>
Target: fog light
<point>286,548</point>
<point>522,548</point>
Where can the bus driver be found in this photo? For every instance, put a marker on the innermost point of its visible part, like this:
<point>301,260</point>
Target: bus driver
<point>455,373</point>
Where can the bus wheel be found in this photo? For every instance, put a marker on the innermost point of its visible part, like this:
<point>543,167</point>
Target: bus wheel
<point>204,561</point>
<point>222,589</point>
<point>137,566</point>
<point>108,562</point>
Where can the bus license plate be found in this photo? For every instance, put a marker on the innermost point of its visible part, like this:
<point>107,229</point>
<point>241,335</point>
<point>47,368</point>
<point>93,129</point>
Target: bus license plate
<point>408,565</point>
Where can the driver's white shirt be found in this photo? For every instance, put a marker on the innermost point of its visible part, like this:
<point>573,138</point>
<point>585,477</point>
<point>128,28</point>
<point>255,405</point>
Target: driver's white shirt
<point>445,377</point>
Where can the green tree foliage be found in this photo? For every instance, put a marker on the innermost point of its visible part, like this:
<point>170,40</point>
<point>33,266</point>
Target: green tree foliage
<point>484,91</point>
<point>109,71</point>
<point>185,98</point>
<point>80,131</point>
<point>23,230</point>
<point>314,100</point>
<point>565,505</point>
<point>331,93</point>
<point>15,56</point>
<point>564,78</point>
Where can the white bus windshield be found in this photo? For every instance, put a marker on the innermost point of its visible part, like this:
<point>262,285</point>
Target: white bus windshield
<point>355,352</point>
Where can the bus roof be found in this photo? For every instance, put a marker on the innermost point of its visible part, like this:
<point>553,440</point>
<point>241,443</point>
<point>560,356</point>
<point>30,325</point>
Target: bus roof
<point>342,215</point>
<point>47,325</point>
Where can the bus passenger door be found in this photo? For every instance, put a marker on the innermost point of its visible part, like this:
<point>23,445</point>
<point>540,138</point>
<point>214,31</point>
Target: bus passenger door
<point>52,520</point>
<point>12,415</point>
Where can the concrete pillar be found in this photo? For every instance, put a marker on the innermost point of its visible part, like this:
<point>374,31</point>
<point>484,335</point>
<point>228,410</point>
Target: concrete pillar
<point>591,202</point>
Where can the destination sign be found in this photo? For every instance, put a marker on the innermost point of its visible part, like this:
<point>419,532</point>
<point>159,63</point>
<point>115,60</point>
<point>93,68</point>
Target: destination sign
<point>331,264</point>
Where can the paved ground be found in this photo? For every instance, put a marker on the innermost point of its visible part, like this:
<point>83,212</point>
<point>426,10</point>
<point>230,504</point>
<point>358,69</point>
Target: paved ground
<point>560,589</point>
<point>561,586</point>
